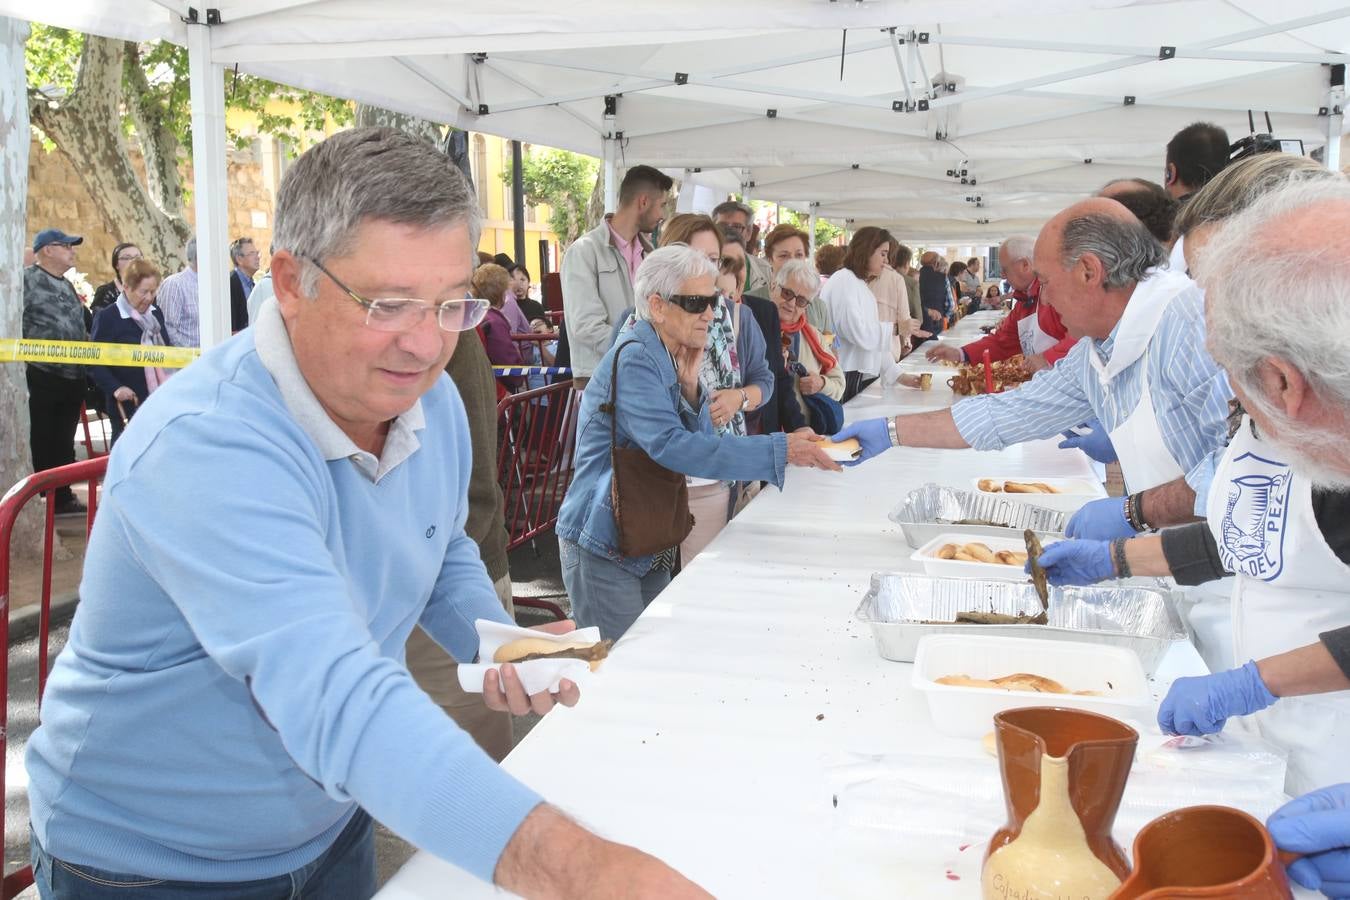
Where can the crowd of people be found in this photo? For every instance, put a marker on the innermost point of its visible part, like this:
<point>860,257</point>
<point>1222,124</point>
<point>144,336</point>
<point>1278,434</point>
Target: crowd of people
<point>705,372</point>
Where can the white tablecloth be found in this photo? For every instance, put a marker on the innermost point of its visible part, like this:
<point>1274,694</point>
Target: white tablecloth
<point>707,738</point>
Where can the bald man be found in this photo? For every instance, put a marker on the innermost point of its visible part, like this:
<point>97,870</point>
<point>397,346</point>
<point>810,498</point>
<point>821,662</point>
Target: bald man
<point>1144,374</point>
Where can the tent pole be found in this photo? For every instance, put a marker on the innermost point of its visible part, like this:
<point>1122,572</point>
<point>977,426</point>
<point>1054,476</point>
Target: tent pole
<point>518,201</point>
<point>811,228</point>
<point>207,84</point>
<point>611,187</point>
<point>1335,117</point>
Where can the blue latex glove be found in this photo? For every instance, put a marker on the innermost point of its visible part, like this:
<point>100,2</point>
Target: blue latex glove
<point>871,433</point>
<point>1077,562</point>
<point>1100,520</point>
<point>1096,443</point>
<point>1317,825</point>
<point>1203,704</point>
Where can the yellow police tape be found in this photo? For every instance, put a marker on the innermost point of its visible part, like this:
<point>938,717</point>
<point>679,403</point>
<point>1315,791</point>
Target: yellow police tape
<point>85,353</point>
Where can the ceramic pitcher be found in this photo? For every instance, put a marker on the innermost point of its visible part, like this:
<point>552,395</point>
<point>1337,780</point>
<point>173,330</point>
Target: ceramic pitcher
<point>1064,772</point>
<point>1205,851</point>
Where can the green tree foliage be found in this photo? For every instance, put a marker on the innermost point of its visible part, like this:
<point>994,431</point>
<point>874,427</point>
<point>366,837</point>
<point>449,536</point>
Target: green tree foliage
<point>826,232</point>
<point>52,59</point>
<point>563,180</point>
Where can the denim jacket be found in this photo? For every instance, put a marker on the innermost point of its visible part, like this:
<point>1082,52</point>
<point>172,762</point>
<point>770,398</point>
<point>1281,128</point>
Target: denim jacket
<point>653,416</point>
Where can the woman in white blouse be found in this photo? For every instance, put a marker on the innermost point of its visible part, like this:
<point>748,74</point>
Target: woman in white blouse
<point>864,339</point>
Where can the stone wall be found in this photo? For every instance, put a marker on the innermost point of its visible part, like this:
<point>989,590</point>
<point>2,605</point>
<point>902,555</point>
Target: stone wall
<point>57,199</point>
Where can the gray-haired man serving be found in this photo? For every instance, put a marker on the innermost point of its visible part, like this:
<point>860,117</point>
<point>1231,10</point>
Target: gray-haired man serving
<point>232,707</point>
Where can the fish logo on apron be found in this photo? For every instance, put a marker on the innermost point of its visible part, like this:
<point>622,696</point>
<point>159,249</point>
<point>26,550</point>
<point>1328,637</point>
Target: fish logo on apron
<point>1255,516</point>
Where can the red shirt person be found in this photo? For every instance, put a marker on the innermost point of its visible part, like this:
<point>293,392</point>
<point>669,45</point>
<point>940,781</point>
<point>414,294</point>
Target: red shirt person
<point>1032,329</point>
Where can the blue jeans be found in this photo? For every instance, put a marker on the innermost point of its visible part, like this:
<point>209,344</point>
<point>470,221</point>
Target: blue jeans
<point>345,871</point>
<point>602,593</point>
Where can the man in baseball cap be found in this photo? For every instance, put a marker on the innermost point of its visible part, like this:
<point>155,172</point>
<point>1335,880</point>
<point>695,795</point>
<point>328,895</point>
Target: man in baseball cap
<point>55,236</point>
<point>52,311</point>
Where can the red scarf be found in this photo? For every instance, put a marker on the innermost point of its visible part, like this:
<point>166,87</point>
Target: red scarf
<point>827,361</point>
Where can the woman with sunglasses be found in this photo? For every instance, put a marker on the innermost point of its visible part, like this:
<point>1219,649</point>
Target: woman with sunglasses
<point>651,397</point>
<point>734,372</point>
<point>818,382</point>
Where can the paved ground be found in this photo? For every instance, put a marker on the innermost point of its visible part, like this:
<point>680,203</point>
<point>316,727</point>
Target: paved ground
<point>535,572</point>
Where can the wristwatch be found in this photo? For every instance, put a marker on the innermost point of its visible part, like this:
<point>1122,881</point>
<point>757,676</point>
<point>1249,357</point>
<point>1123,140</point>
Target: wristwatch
<point>745,400</point>
<point>891,432</point>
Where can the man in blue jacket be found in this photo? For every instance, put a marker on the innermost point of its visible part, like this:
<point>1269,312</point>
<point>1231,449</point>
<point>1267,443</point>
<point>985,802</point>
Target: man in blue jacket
<point>232,707</point>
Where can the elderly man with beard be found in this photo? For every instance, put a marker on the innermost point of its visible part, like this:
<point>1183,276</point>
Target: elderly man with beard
<point>1279,512</point>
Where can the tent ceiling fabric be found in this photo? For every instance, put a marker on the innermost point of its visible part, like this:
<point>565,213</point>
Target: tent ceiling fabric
<point>1041,86</point>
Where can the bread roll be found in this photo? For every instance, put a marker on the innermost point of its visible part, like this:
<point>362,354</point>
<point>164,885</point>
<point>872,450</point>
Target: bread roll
<point>842,451</point>
<point>947,551</point>
<point>527,649</point>
<point>990,485</point>
<point>981,552</point>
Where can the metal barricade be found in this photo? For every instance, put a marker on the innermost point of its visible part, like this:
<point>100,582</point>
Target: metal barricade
<point>536,440</point>
<point>12,504</point>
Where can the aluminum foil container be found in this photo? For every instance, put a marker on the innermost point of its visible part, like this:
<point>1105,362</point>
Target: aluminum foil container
<point>930,510</point>
<point>899,605</point>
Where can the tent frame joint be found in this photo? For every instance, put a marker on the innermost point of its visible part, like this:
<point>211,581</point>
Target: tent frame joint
<point>193,17</point>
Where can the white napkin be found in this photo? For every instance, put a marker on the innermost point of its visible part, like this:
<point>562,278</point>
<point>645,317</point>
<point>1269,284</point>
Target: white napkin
<point>537,674</point>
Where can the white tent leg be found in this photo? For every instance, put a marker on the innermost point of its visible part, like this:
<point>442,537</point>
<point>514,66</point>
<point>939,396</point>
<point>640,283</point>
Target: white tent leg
<point>811,228</point>
<point>1335,118</point>
<point>611,185</point>
<point>207,83</point>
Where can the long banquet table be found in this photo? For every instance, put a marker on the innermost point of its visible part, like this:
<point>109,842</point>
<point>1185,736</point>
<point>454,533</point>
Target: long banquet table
<point>706,736</point>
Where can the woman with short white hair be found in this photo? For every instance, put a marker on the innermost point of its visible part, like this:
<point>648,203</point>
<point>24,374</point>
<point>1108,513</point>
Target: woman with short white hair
<point>646,395</point>
<point>817,379</point>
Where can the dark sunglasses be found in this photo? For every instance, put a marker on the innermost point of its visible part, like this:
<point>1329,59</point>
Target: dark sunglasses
<point>794,297</point>
<point>694,303</point>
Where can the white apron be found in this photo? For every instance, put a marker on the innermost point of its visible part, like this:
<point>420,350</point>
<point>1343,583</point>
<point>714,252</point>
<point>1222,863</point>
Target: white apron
<point>1031,336</point>
<point>1145,460</point>
<point>1290,586</point>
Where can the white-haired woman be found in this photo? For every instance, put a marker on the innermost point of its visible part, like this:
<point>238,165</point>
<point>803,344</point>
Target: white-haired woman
<point>817,379</point>
<point>649,397</point>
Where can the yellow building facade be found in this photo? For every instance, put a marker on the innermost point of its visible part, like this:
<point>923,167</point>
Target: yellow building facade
<point>490,157</point>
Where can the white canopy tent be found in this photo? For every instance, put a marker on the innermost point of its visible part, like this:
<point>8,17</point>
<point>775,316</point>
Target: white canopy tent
<point>856,111</point>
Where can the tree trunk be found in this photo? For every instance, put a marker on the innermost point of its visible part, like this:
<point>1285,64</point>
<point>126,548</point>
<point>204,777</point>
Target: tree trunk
<point>595,208</point>
<point>372,116</point>
<point>84,126</point>
<point>158,142</point>
<point>15,460</point>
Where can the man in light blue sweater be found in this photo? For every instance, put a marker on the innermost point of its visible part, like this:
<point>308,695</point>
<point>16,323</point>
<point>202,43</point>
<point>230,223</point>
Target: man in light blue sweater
<point>232,707</point>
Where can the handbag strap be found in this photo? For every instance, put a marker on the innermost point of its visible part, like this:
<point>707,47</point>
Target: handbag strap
<point>611,407</point>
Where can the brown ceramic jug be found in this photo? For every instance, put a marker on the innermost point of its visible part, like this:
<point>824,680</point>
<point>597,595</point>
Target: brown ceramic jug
<point>1205,851</point>
<point>1064,771</point>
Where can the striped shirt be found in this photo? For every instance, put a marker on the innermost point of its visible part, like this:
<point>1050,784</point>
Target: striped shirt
<point>1190,394</point>
<point>177,299</point>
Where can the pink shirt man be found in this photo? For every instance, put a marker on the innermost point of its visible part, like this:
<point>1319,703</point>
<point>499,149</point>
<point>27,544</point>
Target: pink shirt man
<point>631,251</point>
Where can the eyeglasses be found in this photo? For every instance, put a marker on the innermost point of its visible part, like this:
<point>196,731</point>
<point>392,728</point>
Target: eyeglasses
<point>405,315</point>
<point>733,226</point>
<point>694,303</point>
<point>793,297</point>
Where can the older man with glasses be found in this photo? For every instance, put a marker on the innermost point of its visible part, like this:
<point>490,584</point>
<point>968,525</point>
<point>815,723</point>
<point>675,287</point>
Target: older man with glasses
<point>738,218</point>
<point>232,707</point>
<point>246,259</point>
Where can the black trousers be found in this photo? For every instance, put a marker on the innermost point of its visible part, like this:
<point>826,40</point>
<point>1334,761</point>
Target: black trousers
<point>855,383</point>
<point>54,414</point>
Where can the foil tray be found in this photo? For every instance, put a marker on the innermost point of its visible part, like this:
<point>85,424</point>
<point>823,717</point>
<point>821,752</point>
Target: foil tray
<point>930,510</point>
<point>898,606</point>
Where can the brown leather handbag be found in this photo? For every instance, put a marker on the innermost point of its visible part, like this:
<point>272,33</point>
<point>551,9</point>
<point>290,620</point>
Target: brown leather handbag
<point>651,503</point>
